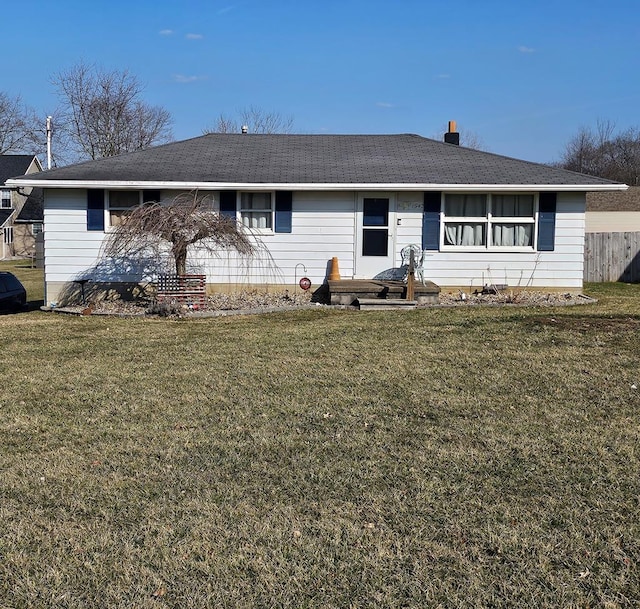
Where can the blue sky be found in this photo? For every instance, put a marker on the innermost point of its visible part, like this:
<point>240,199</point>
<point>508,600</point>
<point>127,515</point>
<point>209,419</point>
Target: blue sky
<point>522,75</point>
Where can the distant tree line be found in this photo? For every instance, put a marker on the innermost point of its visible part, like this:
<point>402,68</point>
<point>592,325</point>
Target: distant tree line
<point>603,152</point>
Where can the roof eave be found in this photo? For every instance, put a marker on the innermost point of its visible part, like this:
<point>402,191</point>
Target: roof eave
<point>155,185</point>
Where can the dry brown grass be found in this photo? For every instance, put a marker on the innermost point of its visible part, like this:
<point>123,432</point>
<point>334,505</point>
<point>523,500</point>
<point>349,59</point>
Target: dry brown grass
<point>436,458</point>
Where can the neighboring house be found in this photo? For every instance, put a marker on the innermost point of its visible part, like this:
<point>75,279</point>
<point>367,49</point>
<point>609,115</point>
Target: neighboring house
<point>481,218</point>
<point>612,240</point>
<point>18,236</point>
<point>29,226</point>
<point>613,212</point>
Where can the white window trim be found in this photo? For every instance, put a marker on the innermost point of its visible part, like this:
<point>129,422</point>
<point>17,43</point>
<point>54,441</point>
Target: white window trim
<point>241,210</point>
<point>488,221</point>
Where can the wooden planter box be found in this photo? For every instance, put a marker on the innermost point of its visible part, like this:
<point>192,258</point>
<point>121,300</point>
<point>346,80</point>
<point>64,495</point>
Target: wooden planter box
<point>183,289</point>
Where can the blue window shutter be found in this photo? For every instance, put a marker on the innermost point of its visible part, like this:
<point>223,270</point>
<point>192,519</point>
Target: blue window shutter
<point>547,222</point>
<point>228,203</point>
<point>284,201</point>
<point>431,221</point>
<point>95,209</point>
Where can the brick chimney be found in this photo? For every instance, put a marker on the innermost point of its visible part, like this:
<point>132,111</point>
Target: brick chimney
<point>452,136</point>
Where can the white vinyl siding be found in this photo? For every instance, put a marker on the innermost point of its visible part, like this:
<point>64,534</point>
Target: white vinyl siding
<point>323,226</point>
<point>70,249</point>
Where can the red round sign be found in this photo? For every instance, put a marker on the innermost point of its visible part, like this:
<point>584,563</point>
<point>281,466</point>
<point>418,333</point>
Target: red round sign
<point>305,283</point>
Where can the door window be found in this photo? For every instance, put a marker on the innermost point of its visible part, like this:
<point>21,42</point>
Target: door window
<point>375,213</point>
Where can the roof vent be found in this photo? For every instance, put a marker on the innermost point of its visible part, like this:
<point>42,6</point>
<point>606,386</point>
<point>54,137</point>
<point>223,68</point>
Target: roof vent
<point>452,136</point>
<point>245,129</point>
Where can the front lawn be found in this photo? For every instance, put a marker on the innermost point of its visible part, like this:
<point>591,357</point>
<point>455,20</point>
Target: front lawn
<point>480,457</point>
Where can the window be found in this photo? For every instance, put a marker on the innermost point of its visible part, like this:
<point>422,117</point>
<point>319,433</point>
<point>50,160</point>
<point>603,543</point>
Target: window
<point>5,199</point>
<point>489,220</point>
<point>256,210</point>
<point>121,202</point>
<point>36,228</point>
<point>375,223</point>
<point>8,235</point>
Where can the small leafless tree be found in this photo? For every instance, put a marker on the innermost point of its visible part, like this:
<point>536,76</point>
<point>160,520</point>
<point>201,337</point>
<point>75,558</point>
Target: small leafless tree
<point>179,223</point>
<point>255,119</point>
<point>103,115</point>
<point>19,127</point>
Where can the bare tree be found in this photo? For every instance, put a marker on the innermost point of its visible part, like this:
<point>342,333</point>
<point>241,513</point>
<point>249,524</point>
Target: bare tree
<point>471,139</point>
<point>103,115</point>
<point>19,127</point>
<point>255,120</point>
<point>180,222</point>
<point>603,153</point>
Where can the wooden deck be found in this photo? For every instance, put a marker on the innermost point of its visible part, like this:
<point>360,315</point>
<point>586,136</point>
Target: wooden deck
<point>348,291</point>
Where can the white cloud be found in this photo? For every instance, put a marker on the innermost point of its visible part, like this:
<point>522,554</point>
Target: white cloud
<point>183,78</point>
<point>443,76</point>
<point>194,36</point>
<point>165,32</point>
<point>384,105</point>
<point>226,9</point>
<point>524,49</point>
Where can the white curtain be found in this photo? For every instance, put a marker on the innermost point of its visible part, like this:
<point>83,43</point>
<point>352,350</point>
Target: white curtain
<point>513,235</point>
<point>251,203</point>
<point>464,233</point>
<point>256,220</point>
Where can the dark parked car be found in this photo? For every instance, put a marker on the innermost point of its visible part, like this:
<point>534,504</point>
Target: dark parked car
<point>13,296</point>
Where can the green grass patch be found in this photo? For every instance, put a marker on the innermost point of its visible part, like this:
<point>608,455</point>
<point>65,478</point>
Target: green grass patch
<point>467,457</point>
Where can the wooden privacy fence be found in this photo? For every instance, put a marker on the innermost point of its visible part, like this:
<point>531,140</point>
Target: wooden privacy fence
<point>612,257</point>
<point>184,289</point>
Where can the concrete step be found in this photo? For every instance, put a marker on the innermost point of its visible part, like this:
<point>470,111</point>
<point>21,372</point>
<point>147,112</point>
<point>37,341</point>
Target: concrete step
<point>385,304</point>
<point>347,291</point>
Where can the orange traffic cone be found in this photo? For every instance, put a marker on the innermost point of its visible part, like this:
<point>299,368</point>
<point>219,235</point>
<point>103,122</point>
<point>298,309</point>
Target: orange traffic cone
<point>334,274</point>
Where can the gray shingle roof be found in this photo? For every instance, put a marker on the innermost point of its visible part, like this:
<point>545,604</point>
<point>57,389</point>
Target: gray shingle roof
<point>316,159</point>
<point>33,208</point>
<point>12,165</point>
<point>4,215</point>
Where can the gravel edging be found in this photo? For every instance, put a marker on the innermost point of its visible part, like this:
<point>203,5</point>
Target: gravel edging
<point>537,300</point>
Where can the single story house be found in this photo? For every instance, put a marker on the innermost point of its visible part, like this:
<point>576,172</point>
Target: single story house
<point>19,232</point>
<point>479,217</point>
